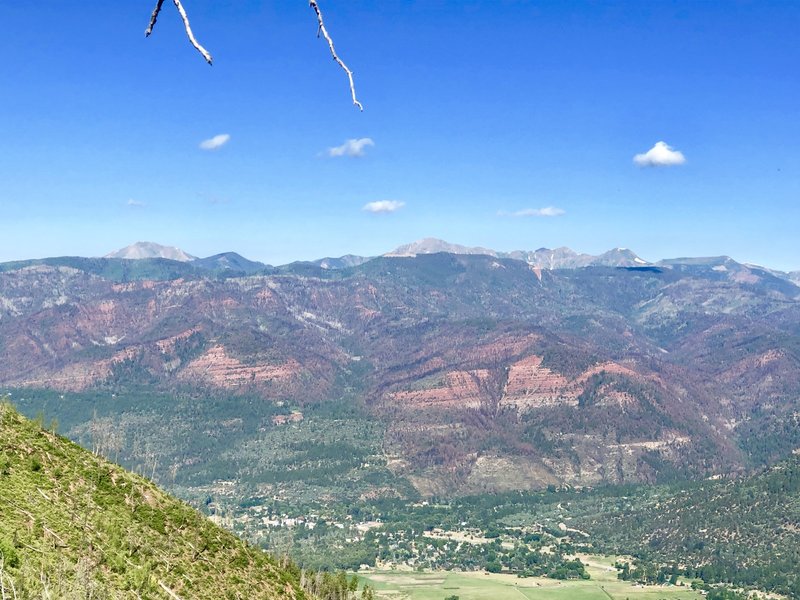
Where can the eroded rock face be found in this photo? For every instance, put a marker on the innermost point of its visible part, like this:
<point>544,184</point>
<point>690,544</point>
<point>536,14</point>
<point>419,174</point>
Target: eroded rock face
<point>217,368</point>
<point>458,390</point>
<point>530,386</point>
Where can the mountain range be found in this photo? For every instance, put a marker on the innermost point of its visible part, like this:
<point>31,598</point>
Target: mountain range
<point>559,258</point>
<point>543,258</point>
<point>471,371</point>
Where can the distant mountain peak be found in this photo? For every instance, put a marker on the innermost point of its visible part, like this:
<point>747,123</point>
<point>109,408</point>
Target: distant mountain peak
<point>341,262</point>
<point>141,250</point>
<point>434,245</point>
<point>620,257</point>
<point>229,261</point>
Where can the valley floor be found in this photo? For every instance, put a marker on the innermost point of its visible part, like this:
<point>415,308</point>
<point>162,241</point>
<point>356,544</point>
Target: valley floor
<point>480,585</point>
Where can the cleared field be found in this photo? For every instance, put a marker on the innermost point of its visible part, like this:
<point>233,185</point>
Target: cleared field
<point>399,585</point>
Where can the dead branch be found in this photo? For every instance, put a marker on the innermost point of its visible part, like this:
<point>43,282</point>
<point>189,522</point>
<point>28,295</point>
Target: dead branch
<point>324,32</point>
<point>169,591</point>
<point>320,31</point>
<point>153,18</point>
<point>45,591</point>
<point>31,547</point>
<point>189,33</point>
<point>3,577</point>
<point>55,535</point>
<point>186,25</point>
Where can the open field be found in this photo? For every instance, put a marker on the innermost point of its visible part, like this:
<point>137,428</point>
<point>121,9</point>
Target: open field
<point>400,585</point>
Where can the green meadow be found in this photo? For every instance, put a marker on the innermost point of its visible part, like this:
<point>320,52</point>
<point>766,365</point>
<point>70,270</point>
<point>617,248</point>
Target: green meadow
<point>603,585</point>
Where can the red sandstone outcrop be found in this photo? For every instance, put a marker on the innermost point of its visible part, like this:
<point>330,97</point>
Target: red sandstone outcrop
<point>216,367</point>
<point>530,385</point>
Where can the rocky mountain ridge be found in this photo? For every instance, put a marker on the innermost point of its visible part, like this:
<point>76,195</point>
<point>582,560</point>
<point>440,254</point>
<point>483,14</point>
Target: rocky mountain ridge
<point>543,258</point>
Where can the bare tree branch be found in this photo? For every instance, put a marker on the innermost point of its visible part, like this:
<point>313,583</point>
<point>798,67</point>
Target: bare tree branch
<point>189,33</point>
<point>321,31</point>
<point>324,32</point>
<point>153,18</point>
<point>186,25</point>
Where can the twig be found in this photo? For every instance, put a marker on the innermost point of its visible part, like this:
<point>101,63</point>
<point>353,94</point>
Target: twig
<point>172,594</point>
<point>55,535</point>
<point>31,547</point>
<point>186,25</point>
<point>2,583</point>
<point>45,591</point>
<point>11,583</point>
<point>189,33</point>
<point>324,32</point>
<point>153,18</point>
<point>25,512</point>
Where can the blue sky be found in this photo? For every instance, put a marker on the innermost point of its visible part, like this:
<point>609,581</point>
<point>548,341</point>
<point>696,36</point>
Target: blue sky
<point>477,112</point>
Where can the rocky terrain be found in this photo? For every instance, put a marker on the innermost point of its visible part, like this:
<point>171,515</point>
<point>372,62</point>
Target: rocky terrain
<point>485,372</point>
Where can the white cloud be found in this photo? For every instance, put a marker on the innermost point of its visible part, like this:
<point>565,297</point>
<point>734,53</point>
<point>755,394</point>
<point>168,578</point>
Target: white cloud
<point>135,203</point>
<point>547,211</point>
<point>660,155</point>
<point>352,148</point>
<point>216,142</point>
<point>383,206</point>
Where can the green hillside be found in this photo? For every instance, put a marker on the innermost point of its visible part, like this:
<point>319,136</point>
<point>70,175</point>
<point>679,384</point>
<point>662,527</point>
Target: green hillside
<point>742,532</point>
<point>73,525</point>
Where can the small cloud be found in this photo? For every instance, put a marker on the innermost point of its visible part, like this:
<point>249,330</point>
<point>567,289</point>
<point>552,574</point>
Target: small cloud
<point>547,211</point>
<point>660,155</point>
<point>135,203</point>
<point>383,206</point>
<point>353,148</point>
<point>216,142</point>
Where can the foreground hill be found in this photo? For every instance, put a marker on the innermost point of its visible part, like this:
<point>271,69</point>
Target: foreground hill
<point>464,373</point>
<point>72,525</point>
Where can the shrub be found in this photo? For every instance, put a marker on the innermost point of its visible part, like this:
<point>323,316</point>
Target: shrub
<point>8,554</point>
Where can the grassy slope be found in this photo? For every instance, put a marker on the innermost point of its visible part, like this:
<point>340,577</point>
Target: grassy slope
<point>79,526</point>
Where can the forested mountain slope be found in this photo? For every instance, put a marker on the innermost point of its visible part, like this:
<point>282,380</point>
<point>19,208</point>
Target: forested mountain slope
<point>469,372</point>
<point>744,531</point>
